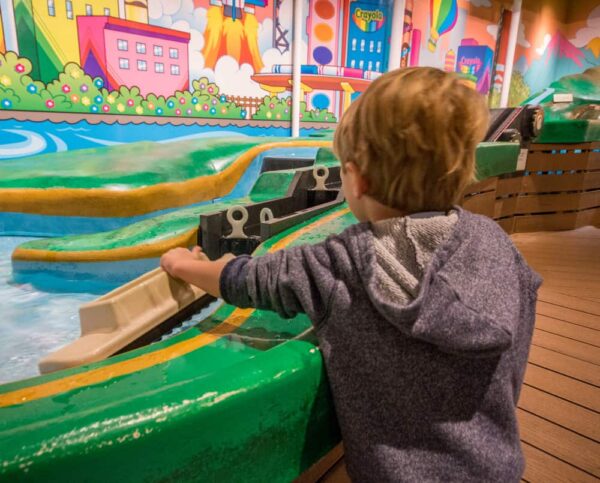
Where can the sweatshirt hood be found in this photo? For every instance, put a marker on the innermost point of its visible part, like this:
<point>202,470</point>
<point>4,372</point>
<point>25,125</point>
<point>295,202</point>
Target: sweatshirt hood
<point>436,278</point>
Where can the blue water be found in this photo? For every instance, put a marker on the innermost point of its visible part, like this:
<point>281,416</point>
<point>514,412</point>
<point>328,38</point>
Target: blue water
<point>34,322</point>
<point>28,138</point>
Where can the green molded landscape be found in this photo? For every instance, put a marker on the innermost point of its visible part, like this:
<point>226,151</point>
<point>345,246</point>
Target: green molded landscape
<point>268,186</point>
<point>577,121</point>
<point>126,166</point>
<point>493,159</point>
<point>253,405</point>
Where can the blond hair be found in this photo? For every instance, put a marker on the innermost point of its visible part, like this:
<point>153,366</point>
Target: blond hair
<point>413,135</point>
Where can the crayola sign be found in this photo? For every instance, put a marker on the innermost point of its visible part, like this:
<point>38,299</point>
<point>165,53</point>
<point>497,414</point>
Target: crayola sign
<point>368,20</point>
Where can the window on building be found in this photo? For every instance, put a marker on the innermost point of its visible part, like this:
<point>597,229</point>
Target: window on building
<point>107,12</point>
<point>88,9</point>
<point>140,48</point>
<point>159,67</point>
<point>51,9</point>
<point>174,70</point>
<point>173,53</point>
<point>69,7</point>
<point>142,65</point>
<point>122,45</point>
<point>123,63</point>
<point>158,52</point>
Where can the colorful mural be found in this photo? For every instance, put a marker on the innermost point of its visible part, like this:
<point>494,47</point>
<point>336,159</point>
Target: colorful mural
<point>558,39</point>
<point>125,53</point>
<point>228,65</point>
<point>555,38</point>
<point>346,48</point>
<point>2,41</point>
<point>454,35</point>
<point>151,59</point>
<point>47,31</point>
<point>442,19</point>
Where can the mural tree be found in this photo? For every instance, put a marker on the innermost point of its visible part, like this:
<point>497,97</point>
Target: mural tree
<point>279,109</point>
<point>81,92</point>
<point>76,91</point>
<point>519,90</point>
<point>19,91</point>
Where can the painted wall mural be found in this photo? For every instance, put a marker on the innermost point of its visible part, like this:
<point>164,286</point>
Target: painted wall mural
<point>454,35</point>
<point>223,66</point>
<point>558,39</point>
<point>346,45</point>
<point>555,38</point>
<point>156,58</point>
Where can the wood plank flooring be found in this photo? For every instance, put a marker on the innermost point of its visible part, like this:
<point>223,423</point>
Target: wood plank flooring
<point>559,408</point>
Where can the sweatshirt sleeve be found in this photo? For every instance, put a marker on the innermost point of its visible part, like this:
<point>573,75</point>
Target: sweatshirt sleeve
<point>289,281</point>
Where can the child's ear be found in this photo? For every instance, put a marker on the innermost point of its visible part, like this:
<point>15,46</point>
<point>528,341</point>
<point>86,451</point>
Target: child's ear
<point>363,184</point>
<point>359,182</point>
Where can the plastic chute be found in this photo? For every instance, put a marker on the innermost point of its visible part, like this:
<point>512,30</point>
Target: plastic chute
<point>442,16</point>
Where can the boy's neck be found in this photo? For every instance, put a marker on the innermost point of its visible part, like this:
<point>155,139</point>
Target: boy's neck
<point>376,211</point>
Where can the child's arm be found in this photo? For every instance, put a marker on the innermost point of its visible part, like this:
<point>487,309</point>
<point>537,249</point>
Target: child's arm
<point>193,267</point>
<point>289,281</point>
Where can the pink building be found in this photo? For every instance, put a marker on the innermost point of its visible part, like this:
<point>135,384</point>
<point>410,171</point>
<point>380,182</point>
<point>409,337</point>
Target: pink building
<point>126,53</point>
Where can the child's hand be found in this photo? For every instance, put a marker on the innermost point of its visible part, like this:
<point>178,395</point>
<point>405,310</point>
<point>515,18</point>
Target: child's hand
<point>194,267</point>
<point>175,257</point>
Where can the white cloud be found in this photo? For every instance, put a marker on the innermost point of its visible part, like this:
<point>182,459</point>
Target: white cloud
<point>165,21</point>
<point>155,10</point>
<point>198,71</point>
<point>492,29</point>
<point>227,74</point>
<point>590,32</point>
<point>265,35</point>
<point>521,40</point>
<point>272,57</point>
<point>167,12</point>
<point>233,78</point>
<point>158,8</point>
<point>199,19</point>
<point>181,25</point>
<point>286,14</point>
<point>185,10</point>
<point>197,68</point>
<point>542,48</point>
<point>481,3</point>
<point>196,40</point>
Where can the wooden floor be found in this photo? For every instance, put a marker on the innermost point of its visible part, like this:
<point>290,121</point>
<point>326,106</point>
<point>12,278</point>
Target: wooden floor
<point>559,408</point>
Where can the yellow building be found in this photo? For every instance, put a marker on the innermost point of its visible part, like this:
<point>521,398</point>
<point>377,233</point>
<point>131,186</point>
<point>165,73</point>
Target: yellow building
<point>47,31</point>
<point>2,41</point>
<point>136,10</point>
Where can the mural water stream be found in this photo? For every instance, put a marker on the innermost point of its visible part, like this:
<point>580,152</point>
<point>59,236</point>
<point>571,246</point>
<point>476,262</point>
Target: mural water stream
<point>28,138</point>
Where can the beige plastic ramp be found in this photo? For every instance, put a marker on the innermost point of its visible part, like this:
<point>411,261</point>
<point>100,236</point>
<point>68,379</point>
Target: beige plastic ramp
<point>116,319</point>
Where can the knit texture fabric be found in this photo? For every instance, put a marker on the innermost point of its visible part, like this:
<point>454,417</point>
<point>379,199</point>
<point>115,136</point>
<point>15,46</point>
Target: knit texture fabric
<point>404,247</point>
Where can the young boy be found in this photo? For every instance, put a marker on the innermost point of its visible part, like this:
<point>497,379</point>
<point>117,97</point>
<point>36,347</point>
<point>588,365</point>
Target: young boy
<point>424,311</point>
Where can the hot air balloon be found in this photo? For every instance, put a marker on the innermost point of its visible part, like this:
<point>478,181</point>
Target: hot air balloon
<point>442,15</point>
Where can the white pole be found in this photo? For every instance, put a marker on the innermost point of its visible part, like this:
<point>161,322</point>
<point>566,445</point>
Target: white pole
<point>296,63</point>
<point>122,9</point>
<point>10,29</point>
<point>513,33</point>
<point>397,34</point>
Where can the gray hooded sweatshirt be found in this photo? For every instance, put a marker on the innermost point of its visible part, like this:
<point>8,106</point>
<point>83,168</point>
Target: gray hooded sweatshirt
<point>424,323</point>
